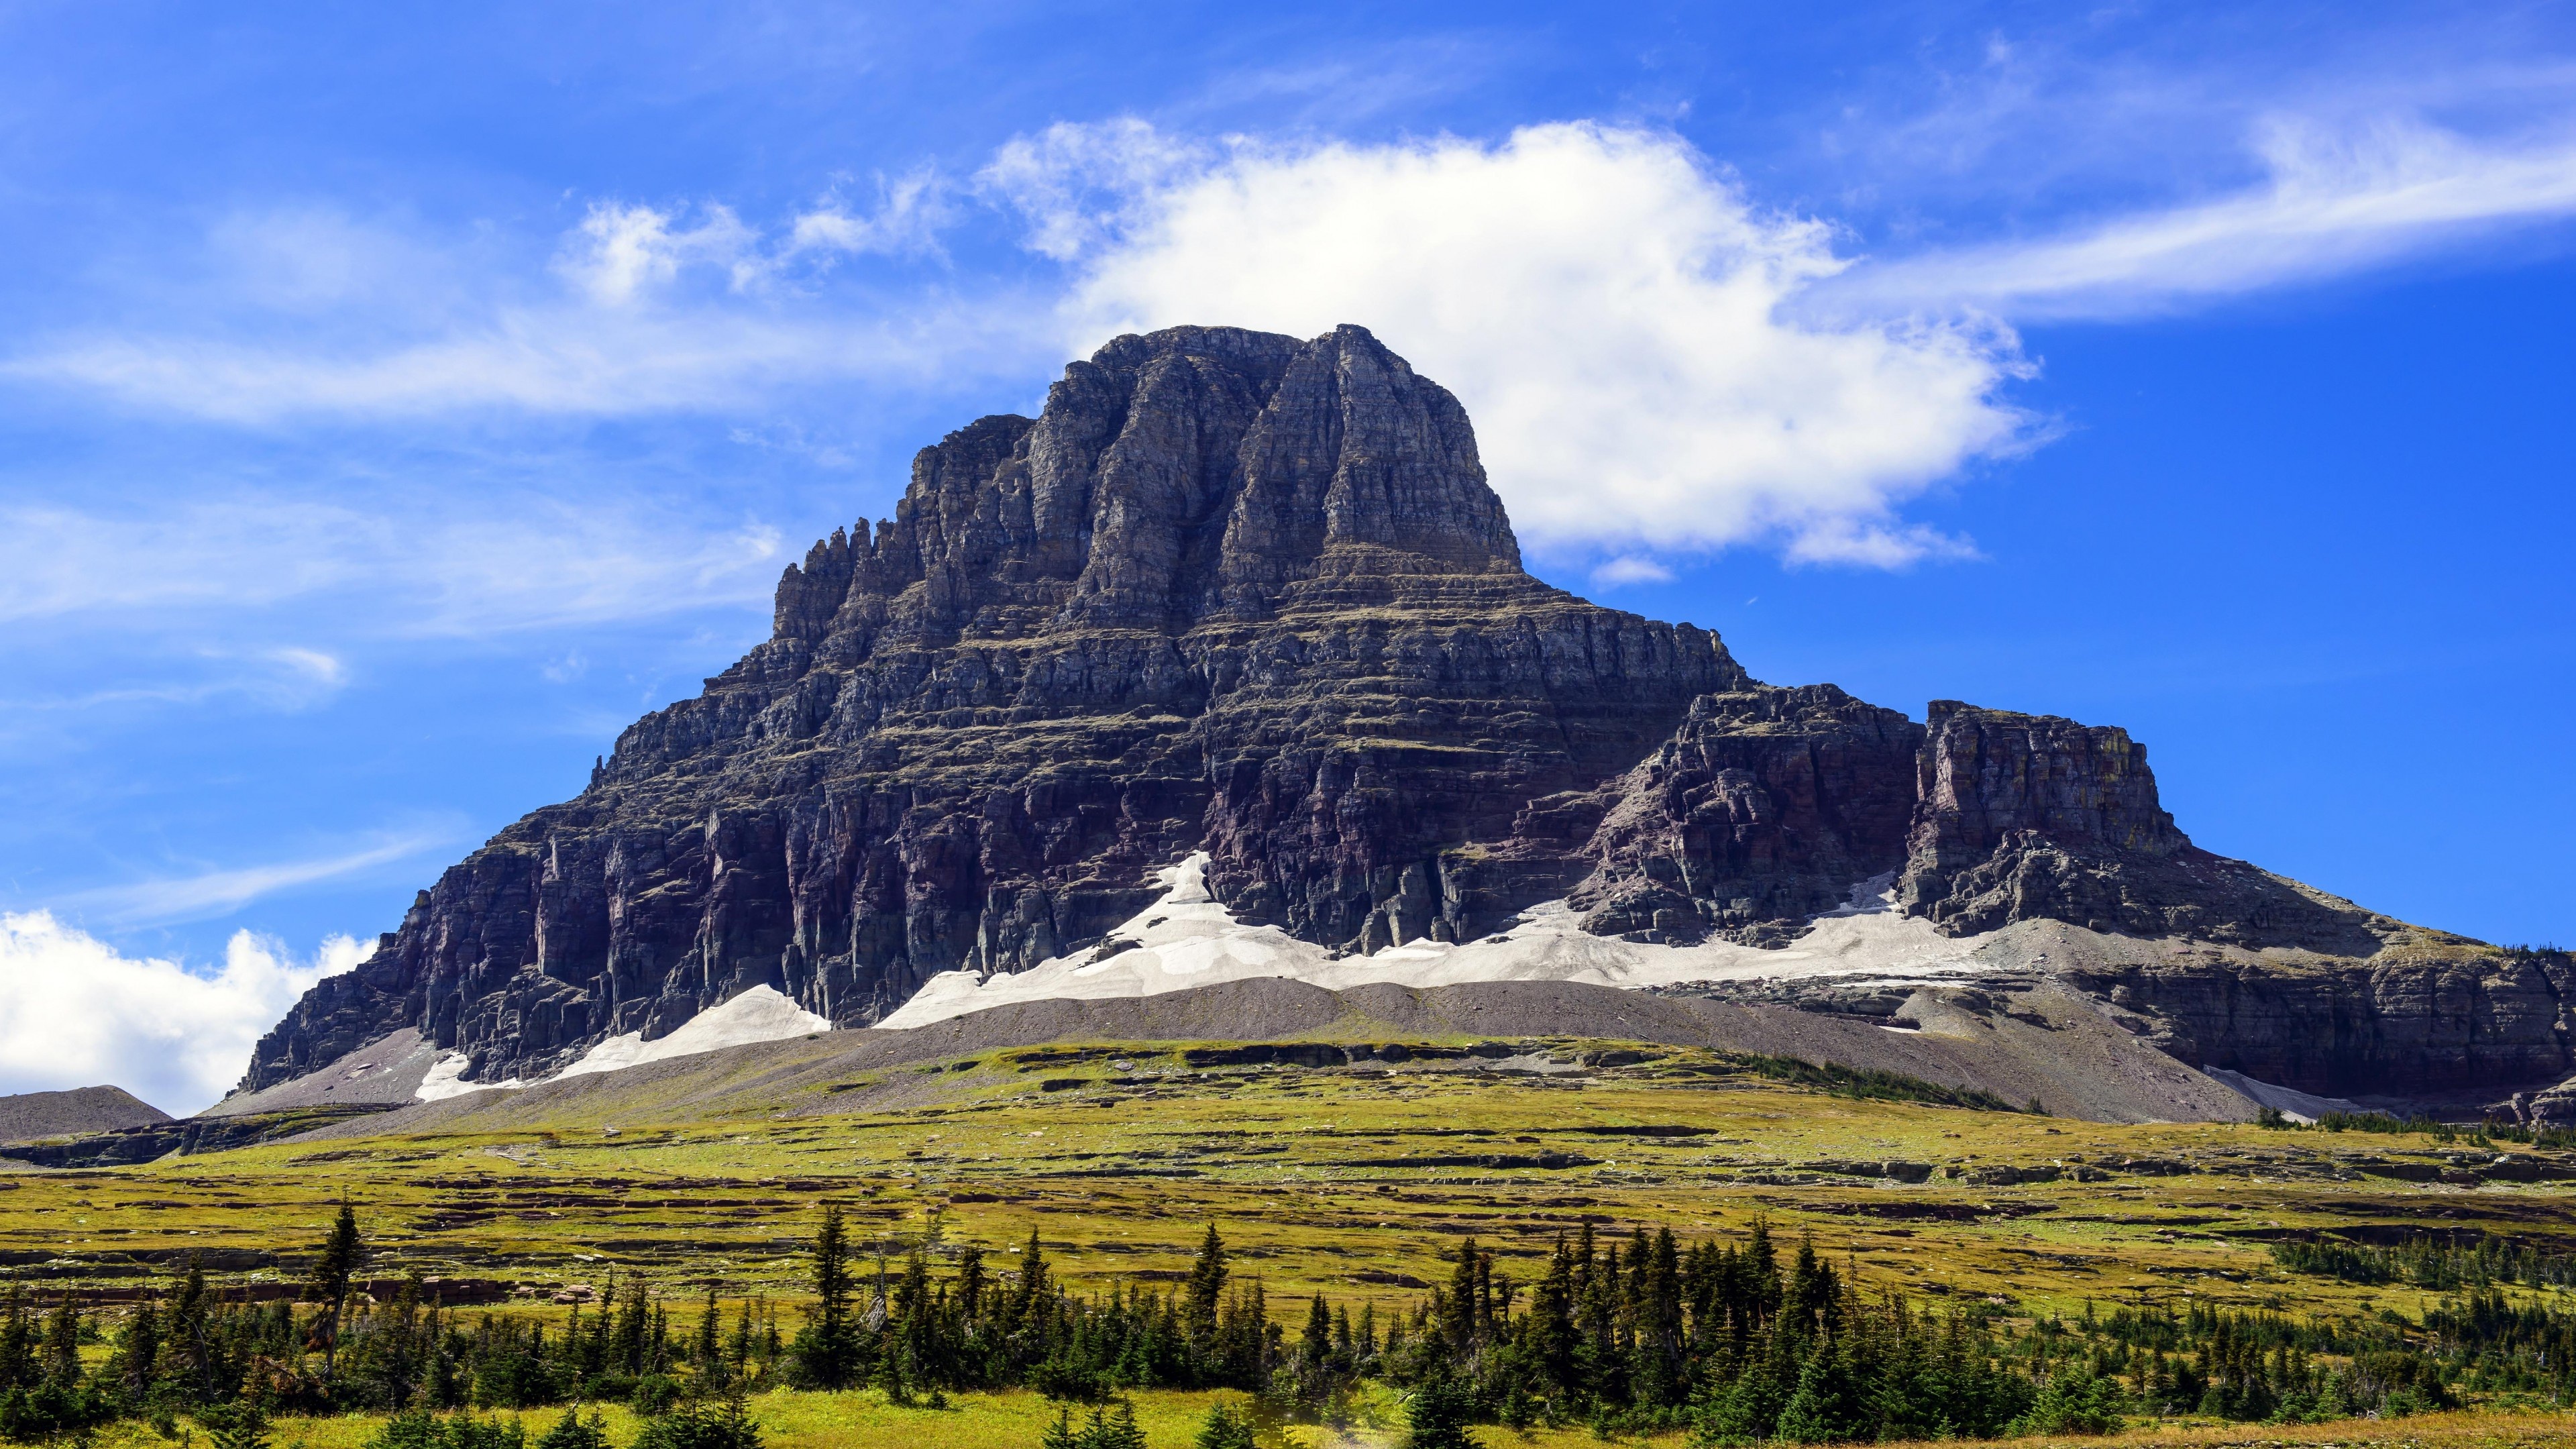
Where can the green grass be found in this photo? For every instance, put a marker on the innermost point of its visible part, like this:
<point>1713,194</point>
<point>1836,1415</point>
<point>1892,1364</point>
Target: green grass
<point>790,1420</point>
<point>1117,1176</point>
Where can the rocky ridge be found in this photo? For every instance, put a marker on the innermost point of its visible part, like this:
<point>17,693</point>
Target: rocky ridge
<point>1239,593</point>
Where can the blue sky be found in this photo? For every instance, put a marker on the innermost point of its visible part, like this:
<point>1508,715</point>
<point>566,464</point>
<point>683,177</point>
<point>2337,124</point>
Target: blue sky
<point>397,400</point>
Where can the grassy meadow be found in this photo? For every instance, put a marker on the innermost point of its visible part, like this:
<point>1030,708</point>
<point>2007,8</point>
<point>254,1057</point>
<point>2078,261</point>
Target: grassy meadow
<point>1356,1184</point>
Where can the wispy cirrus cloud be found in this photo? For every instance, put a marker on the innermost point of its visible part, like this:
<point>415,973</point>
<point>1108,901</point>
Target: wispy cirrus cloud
<point>284,678</point>
<point>300,314</point>
<point>2334,201</point>
<point>426,570</point>
<point>220,892</point>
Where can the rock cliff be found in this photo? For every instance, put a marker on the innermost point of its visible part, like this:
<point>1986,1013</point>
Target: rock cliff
<point>1251,595</point>
<point>1762,810</point>
<point>1228,590</point>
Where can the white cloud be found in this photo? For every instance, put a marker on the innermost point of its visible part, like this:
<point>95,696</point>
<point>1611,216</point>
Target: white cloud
<point>497,565</point>
<point>75,1012</point>
<point>1656,365</point>
<point>911,211</point>
<point>284,680</point>
<point>607,358</point>
<point>220,892</point>
<point>2334,201</point>
<point>620,252</point>
<point>1609,309</point>
<point>1630,569</point>
<point>1079,184</point>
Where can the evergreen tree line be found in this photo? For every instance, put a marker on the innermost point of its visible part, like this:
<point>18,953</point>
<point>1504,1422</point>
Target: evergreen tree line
<point>1739,1341</point>
<point>189,1351</point>
<point>2425,1261</point>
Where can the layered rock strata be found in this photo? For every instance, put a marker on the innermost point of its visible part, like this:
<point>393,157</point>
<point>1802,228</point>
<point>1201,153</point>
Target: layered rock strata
<point>1228,589</point>
<point>1249,595</point>
<point>2022,817</point>
<point>1758,814</point>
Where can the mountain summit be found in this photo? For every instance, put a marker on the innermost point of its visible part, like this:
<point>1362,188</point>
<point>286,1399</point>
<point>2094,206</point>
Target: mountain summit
<point>1238,594</point>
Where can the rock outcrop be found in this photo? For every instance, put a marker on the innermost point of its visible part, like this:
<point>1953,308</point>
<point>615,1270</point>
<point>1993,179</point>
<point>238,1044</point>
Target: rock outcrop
<point>1251,595</point>
<point>2030,817</point>
<point>1229,589</point>
<point>2429,1018</point>
<point>1761,812</point>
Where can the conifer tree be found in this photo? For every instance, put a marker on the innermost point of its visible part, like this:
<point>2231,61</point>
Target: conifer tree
<point>1223,1428</point>
<point>1119,1431</point>
<point>332,1275</point>
<point>1437,1416</point>
<point>1204,1293</point>
<point>829,1348</point>
<point>62,1365</point>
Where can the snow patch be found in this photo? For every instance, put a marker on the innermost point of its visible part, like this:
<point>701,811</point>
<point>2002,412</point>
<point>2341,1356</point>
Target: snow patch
<point>446,1079</point>
<point>2298,1106</point>
<point>1186,939</point>
<point>764,1013</point>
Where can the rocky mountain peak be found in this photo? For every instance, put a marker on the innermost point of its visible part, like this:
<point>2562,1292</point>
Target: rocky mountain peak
<point>1229,591</point>
<point>1185,474</point>
<point>1251,596</point>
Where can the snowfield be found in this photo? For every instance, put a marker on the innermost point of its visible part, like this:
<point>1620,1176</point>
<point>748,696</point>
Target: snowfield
<point>1186,939</point>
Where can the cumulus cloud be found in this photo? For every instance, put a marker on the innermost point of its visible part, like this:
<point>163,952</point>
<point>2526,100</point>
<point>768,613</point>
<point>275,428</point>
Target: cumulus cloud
<point>1079,183</point>
<point>76,1012</point>
<point>1610,308</point>
<point>2334,200</point>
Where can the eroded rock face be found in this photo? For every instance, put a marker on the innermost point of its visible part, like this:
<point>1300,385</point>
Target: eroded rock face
<point>1759,814</point>
<point>2030,817</point>
<point>2428,1017</point>
<point>1229,590</point>
<point>1241,593</point>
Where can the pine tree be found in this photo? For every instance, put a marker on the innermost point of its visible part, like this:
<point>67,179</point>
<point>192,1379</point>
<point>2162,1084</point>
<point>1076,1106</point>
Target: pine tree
<point>18,1338</point>
<point>1437,1416</point>
<point>62,1365</point>
<point>138,1348</point>
<point>829,1350</point>
<point>1223,1428</point>
<point>1118,1432</point>
<point>708,1345</point>
<point>573,1432</point>
<point>242,1424</point>
<point>1315,1345</point>
<point>1204,1293</point>
<point>332,1274</point>
<point>1822,1409</point>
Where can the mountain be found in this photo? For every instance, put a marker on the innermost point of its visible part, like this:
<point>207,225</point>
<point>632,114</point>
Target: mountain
<point>29,1116</point>
<point>1249,601</point>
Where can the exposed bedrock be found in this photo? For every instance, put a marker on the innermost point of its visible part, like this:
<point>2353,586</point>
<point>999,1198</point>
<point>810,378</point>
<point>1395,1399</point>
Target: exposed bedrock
<point>2030,817</point>
<point>2428,1019</point>
<point>1758,814</point>
<point>1251,595</point>
<point>1229,590</point>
